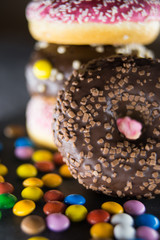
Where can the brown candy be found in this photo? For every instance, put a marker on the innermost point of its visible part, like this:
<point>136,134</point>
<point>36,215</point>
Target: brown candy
<point>54,207</point>
<point>45,166</point>
<point>33,224</point>
<point>53,195</point>
<point>6,187</point>
<point>13,131</point>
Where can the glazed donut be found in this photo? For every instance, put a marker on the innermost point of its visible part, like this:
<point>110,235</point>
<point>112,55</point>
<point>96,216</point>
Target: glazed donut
<point>63,59</point>
<point>100,22</point>
<point>107,126</point>
<point>39,113</point>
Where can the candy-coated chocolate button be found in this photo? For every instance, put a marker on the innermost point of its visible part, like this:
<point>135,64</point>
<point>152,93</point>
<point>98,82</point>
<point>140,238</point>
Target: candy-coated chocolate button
<point>147,233</point>
<point>148,220</point>
<point>23,142</point>
<point>32,193</point>
<point>7,200</point>
<point>98,215</point>
<point>124,232</point>
<point>33,224</point>
<point>54,207</point>
<point>1,179</point>
<point>38,238</point>
<point>134,207</point>
<point>75,199</point>
<point>122,218</point>
<point>53,195</point>
<point>23,207</point>
<point>101,230</point>
<point>23,152</point>
<point>112,207</point>
<point>33,182</point>
<point>42,69</point>
<point>42,155</point>
<point>64,171</point>
<point>57,222</point>
<point>45,166</point>
<point>52,180</point>
<point>3,169</point>
<point>76,213</point>
<point>26,170</point>
<point>58,159</point>
<point>13,131</point>
<point>6,187</point>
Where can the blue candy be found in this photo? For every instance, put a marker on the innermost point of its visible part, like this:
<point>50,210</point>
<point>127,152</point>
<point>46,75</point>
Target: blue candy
<point>75,199</point>
<point>23,142</point>
<point>148,220</point>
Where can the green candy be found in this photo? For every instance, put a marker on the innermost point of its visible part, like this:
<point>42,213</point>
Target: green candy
<point>7,200</point>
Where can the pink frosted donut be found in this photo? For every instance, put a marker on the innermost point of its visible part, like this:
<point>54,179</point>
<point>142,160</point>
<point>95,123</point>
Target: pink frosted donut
<point>39,115</point>
<point>88,21</point>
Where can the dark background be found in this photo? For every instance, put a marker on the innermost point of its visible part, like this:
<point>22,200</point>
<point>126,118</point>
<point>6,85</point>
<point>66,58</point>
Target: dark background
<point>16,45</point>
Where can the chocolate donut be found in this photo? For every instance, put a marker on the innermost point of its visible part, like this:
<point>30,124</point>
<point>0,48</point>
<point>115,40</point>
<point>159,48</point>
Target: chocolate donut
<point>63,59</point>
<point>88,132</point>
<point>87,22</point>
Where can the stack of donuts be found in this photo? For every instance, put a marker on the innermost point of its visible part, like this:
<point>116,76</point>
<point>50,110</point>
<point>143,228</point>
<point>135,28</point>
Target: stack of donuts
<point>94,90</point>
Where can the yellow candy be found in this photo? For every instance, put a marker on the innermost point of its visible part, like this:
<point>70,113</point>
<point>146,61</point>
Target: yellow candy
<point>26,170</point>
<point>101,230</point>
<point>52,180</point>
<point>37,238</point>
<point>76,213</point>
<point>64,171</point>
<point>33,182</point>
<point>23,207</point>
<point>32,193</point>
<point>112,207</point>
<point>3,169</point>
<point>1,179</point>
<point>42,155</point>
<point>42,69</point>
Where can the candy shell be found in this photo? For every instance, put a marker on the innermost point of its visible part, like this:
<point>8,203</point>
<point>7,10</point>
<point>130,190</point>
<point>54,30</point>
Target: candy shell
<point>26,170</point>
<point>98,215</point>
<point>53,195</point>
<point>23,152</point>
<point>76,213</point>
<point>7,200</point>
<point>124,232</point>
<point>3,169</point>
<point>32,193</point>
<point>24,207</point>
<point>23,142</point>
<point>52,180</point>
<point>134,207</point>
<point>33,182</point>
<point>33,224</point>
<point>112,207</point>
<point>54,207</point>
<point>42,69</point>
<point>122,218</point>
<point>147,233</point>
<point>42,155</point>
<point>101,231</point>
<point>38,238</point>
<point>58,159</point>
<point>14,130</point>
<point>1,179</point>
<point>6,187</point>
<point>45,166</point>
<point>57,222</point>
<point>148,220</point>
<point>75,199</point>
<point>64,171</point>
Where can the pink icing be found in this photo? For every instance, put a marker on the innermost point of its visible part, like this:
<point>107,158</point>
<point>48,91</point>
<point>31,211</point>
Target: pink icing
<point>102,11</point>
<point>130,128</point>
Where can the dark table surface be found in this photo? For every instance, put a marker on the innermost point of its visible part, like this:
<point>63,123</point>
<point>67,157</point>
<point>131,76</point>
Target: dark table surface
<point>16,45</point>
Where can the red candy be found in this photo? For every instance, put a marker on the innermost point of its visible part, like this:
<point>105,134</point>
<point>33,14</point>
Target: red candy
<point>58,159</point>
<point>45,166</point>
<point>98,215</point>
<point>6,187</point>
<point>54,207</point>
<point>53,195</point>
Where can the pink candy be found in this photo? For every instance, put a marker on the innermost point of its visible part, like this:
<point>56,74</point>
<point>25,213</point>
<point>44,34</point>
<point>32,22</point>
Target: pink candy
<point>129,127</point>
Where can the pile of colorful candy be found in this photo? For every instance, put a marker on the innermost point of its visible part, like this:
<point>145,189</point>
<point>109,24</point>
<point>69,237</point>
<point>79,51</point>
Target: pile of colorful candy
<point>110,221</point>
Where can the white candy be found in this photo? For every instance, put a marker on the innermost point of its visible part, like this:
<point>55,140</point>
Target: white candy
<point>122,218</point>
<point>124,232</point>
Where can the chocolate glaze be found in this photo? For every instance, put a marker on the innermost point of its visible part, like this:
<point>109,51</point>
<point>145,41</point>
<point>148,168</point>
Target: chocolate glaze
<point>63,62</point>
<point>86,133</point>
